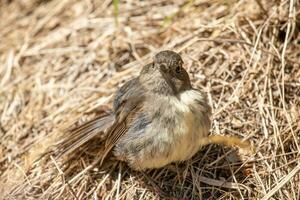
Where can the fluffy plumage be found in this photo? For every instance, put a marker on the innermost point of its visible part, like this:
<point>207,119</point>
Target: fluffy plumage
<point>157,118</point>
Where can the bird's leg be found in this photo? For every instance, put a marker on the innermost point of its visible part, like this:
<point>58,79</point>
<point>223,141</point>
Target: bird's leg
<point>227,141</point>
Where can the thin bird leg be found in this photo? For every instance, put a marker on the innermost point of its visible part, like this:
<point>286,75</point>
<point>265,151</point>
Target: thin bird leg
<point>227,141</point>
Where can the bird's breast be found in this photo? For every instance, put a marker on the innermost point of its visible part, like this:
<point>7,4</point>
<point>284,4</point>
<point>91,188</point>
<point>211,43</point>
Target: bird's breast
<point>180,125</point>
<point>176,124</point>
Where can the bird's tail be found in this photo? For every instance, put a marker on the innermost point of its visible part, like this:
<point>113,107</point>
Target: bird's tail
<point>81,134</point>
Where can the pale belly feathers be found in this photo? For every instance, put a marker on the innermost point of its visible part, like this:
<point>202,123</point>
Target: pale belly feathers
<point>177,136</point>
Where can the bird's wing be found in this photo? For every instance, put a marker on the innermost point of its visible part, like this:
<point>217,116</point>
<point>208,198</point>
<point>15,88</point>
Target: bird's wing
<point>127,105</point>
<point>127,102</point>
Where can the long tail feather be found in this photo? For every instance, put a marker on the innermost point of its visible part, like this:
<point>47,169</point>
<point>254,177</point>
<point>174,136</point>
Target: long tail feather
<point>78,136</point>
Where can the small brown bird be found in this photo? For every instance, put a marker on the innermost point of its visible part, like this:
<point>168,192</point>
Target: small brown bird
<point>157,118</point>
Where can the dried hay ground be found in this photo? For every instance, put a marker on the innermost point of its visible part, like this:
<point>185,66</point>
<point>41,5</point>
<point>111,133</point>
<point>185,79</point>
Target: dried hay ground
<point>62,59</point>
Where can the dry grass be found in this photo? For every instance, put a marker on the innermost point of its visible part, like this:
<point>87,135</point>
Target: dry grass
<point>63,59</point>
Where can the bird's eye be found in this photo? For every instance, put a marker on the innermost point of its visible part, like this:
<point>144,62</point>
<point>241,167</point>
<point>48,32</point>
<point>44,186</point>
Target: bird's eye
<point>178,69</point>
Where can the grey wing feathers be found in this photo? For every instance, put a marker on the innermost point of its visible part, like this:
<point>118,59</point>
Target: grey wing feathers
<point>124,93</point>
<point>127,104</point>
<point>127,99</point>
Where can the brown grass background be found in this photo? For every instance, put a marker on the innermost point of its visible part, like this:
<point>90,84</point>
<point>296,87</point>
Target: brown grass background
<point>62,60</point>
